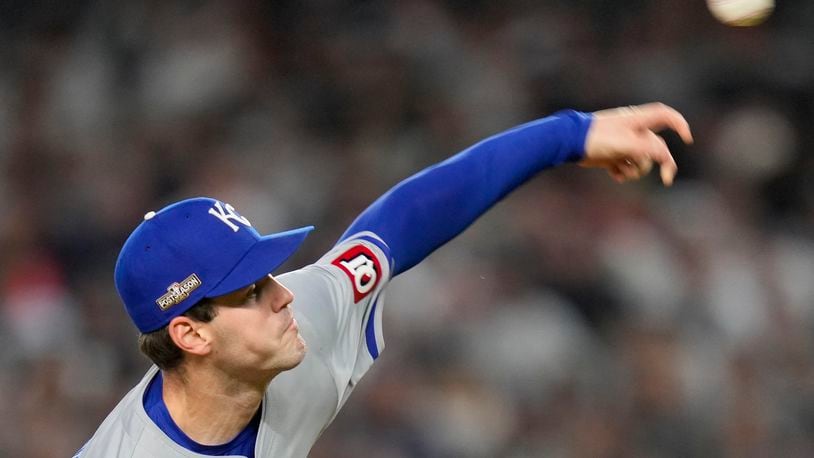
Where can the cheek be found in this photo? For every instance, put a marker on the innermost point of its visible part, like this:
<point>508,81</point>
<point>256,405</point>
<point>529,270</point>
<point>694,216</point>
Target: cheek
<point>243,330</point>
<point>258,330</point>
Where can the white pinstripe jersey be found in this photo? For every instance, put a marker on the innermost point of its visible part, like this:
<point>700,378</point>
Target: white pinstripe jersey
<point>338,305</point>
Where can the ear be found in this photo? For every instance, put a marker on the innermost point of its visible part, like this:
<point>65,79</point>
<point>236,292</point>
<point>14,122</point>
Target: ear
<point>190,336</point>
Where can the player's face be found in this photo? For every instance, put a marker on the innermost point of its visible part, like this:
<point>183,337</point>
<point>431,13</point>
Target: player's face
<point>255,333</point>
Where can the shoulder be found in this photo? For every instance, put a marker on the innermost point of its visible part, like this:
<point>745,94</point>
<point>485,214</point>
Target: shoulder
<point>351,272</point>
<point>121,431</point>
<point>361,261</point>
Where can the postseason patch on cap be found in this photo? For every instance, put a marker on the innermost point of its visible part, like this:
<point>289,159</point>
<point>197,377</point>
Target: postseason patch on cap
<point>362,266</point>
<point>178,291</point>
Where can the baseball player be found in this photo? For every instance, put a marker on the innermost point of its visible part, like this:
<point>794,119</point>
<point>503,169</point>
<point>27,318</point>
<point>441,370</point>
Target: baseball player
<point>248,364</point>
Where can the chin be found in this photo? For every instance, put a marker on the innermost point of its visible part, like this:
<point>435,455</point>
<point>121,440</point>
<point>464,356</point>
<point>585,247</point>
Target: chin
<point>297,354</point>
<point>302,350</point>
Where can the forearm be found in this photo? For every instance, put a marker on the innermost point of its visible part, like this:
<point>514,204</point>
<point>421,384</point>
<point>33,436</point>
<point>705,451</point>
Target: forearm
<point>428,209</point>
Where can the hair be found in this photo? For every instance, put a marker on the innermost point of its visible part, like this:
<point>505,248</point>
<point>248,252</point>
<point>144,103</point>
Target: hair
<point>158,345</point>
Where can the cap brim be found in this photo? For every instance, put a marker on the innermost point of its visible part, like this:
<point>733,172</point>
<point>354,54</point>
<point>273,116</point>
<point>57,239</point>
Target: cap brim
<point>263,258</point>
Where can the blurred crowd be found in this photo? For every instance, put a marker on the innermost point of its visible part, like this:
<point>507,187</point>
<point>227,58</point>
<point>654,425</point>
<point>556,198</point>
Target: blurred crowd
<point>578,318</point>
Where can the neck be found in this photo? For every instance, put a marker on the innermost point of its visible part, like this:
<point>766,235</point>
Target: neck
<point>210,408</point>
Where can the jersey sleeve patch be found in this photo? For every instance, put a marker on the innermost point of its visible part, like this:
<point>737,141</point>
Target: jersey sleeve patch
<point>363,269</point>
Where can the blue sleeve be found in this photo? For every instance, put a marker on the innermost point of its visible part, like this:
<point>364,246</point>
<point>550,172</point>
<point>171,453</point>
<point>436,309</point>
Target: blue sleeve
<point>433,206</point>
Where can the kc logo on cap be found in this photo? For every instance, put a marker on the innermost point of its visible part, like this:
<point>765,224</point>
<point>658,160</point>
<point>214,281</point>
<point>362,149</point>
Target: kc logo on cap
<point>225,213</point>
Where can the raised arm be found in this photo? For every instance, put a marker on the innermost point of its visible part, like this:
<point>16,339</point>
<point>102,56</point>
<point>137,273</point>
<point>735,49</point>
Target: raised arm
<point>431,207</point>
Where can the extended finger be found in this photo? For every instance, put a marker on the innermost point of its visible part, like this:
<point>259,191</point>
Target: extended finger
<point>660,154</point>
<point>658,116</point>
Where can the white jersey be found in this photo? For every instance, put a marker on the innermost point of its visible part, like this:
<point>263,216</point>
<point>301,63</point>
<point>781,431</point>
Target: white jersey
<point>338,305</point>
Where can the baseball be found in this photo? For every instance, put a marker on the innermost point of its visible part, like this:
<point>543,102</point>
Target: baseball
<point>741,13</point>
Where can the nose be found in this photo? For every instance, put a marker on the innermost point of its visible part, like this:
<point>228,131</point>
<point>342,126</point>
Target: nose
<point>282,296</point>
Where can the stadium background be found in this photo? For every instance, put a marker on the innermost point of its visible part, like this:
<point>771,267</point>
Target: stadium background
<point>577,319</point>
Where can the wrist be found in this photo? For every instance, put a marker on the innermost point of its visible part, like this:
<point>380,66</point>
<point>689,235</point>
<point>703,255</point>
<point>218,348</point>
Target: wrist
<point>576,125</point>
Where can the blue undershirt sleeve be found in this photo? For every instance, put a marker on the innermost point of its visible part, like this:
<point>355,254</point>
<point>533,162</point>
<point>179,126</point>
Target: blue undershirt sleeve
<point>433,206</point>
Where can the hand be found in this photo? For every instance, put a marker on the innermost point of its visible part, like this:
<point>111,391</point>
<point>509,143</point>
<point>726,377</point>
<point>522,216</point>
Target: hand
<point>624,142</point>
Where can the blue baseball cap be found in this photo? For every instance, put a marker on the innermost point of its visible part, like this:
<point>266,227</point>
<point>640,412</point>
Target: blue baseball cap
<point>190,250</point>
